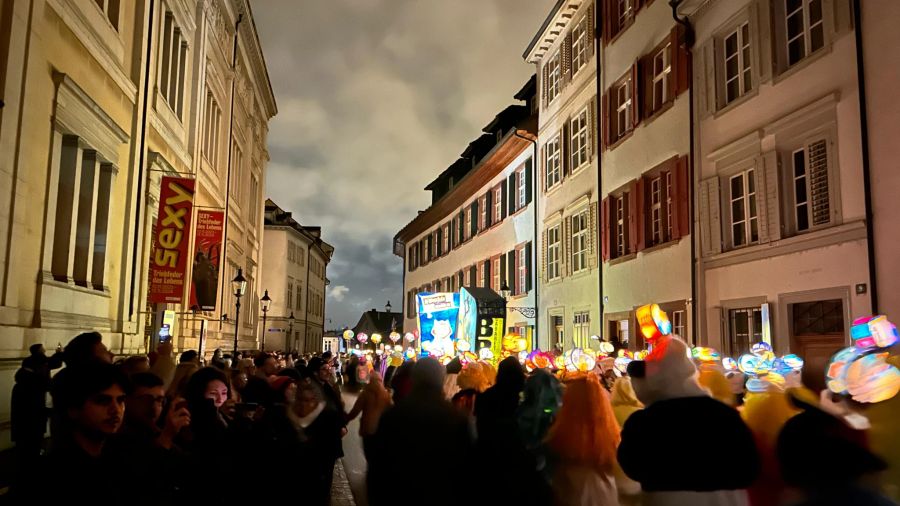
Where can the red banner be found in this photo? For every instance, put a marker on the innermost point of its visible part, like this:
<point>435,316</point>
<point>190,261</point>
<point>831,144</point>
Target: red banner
<point>207,248</point>
<point>170,240</point>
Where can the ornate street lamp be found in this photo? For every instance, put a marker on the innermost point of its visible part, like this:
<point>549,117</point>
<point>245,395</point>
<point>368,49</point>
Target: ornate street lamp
<point>239,286</point>
<point>387,307</point>
<point>291,328</point>
<point>264,305</point>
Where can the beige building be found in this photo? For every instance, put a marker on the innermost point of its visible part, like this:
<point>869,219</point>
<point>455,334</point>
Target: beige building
<point>568,200</point>
<point>781,202</point>
<point>91,119</point>
<point>296,260</point>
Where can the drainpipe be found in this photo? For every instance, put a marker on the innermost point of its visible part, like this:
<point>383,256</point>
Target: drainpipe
<point>534,257</point>
<point>140,166</point>
<point>599,131</point>
<point>867,176</point>
<point>688,44</point>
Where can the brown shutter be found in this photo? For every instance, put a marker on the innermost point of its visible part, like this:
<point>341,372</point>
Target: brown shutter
<point>593,235</point>
<point>639,233</point>
<point>592,119</point>
<point>681,60</point>
<point>674,51</point>
<point>636,102</point>
<point>605,240</point>
<point>633,216</point>
<point>489,209</point>
<point>591,34</point>
<point>565,150</point>
<point>566,59</point>
<point>682,189</point>
<point>544,246</point>
<point>646,89</point>
<point>567,230</point>
<point>529,249</point>
<point>608,25</point>
<point>604,126</point>
<point>545,76</point>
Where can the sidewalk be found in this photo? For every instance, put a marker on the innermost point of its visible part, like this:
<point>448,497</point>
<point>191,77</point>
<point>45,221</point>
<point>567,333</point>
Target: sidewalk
<point>341,495</point>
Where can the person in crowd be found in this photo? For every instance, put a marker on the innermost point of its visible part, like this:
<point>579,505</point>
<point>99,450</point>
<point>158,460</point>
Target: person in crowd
<point>584,438</point>
<point>135,364</point>
<point>146,442</point>
<point>28,408</point>
<point>401,382</point>
<point>89,401</point>
<point>884,435</point>
<point>351,382</point>
<point>624,403</point>
<point>474,376</point>
<point>86,348</point>
<point>464,401</point>
<point>495,408</point>
<point>187,366</point>
<point>541,400</point>
<point>320,431</point>
<point>371,403</point>
<point>322,373</point>
<point>218,359</point>
<point>164,364</point>
<point>453,370</point>
<point>827,461</point>
<point>715,382</point>
<point>766,409</point>
<point>415,431</point>
<point>654,450</point>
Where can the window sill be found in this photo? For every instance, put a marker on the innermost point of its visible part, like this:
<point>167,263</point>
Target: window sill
<point>725,109</point>
<point>622,259</point>
<point>580,168</point>
<point>620,140</point>
<point>621,30</point>
<point>663,245</point>
<point>555,281</point>
<point>580,274</point>
<point>659,112</point>
<point>802,64</point>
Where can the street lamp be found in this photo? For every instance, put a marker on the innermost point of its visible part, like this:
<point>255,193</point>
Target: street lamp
<point>387,307</point>
<point>291,328</point>
<point>239,285</point>
<point>264,305</point>
<point>504,290</point>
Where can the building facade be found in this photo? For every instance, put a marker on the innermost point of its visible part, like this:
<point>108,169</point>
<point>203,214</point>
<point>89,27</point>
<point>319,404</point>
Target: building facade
<point>568,200</point>
<point>296,260</point>
<point>781,201</point>
<point>479,230</point>
<point>100,100</point>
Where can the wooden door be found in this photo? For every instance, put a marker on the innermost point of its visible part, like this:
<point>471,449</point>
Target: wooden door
<point>817,333</point>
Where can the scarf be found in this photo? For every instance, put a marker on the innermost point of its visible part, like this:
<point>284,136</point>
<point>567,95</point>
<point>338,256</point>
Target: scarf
<point>305,421</point>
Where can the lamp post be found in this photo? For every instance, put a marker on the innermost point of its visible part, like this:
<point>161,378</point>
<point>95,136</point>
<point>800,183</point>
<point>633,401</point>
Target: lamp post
<point>291,329</point>
<point>387,307</point>
<point>239,285</point>
<point>264,305</point>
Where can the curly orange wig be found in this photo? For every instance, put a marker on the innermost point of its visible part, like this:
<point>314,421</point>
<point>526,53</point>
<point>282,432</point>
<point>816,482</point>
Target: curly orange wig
<point>585,430</point>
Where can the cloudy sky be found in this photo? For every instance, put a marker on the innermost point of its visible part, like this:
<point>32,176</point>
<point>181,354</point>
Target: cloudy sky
<point>375,98</point>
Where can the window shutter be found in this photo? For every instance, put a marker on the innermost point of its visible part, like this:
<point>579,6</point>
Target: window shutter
<point>636,99</point>
<point>605,239</point>
<point>529,178</point>
<point>681,225</point>
<point>634,212</point>
<point>646,89</point>
<point>473,227</point>
<point>462,226</point>
<point>454,226</point>
<point>504,193</point>
<point>592,119</point>
<point>593,235</point>
<point>511,277</point>
<point>473,276</point>
<point>820,197</point>
<point>544,169</point>
<point>710,227</point>
<point>462,279</point>
<point>513,193</point>
<point>608,26</point>
<point>591,35</point>
<point>674,51</point>
<point>489,208</point>
<point>604,115</point>
<point>440,241</point>
<point>567,224</point>
<point>545,78</point>
<point>544,249</point>
<point>565,149</point>
<point>759,175</point>
<point>565,59</point>
<point>680,61</point>
<point>770,200</point>
<point>639,201</point>
<point>487,273</point>
<point>528,267</point>
<point>502,269</point>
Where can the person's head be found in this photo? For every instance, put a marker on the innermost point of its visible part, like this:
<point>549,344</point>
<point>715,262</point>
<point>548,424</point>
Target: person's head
<point>217,354</point>
<point>428,376</point>
<point>320,369</point>
<point>510,375</point>
<point>238,380</point>
<point>327,356</point>
<point>86,348</point>
<point>266,364</point>
<point>308,397</point>
<point>285,388</point>
<point>667,373</point>
<point>623,393</point>
<point>207,384</point>
<point>36,350</point>
<point>585,431</point>
<point>189,356</point>
<point>541,400</point>
<point>135,364</point>
<point>146,399</point>
<point>178,385</point>
<point>91,399</point>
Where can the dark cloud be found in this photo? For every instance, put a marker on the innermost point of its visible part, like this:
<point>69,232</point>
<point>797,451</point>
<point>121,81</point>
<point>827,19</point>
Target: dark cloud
<point>375,98</point>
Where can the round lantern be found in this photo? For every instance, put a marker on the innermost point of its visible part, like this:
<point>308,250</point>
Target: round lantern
<point>394,336</point>
<point>376,338</point>
<point>410,337</point>
<point>654,322</point>
<point>348,335</point>
<point>362,337</point>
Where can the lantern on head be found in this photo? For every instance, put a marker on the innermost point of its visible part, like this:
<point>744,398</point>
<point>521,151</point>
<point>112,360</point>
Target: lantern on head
<point>873,332</point>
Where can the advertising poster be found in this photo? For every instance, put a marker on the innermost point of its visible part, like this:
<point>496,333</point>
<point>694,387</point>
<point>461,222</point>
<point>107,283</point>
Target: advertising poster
<point>467,324</point>
<point>437,322</point>
<point>168,263</point>
<point>207,249</point>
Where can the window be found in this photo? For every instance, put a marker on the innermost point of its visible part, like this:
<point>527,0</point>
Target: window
<point>558,329</point>
<point>744,221</point>
<point>467,231</point>
<point>812,207</point>
<point>290,292</point>
<point>621,16</point>
<point>111,9</point>
<point>670,209</point>
<point>553,77</point>
<point>446,239</point>
<point>481,275</point>
<point>579,141</point>
<point>737,63</point>
<point>520,188</point>
<point>482,213</point>
<point>580,231</point>
<point>498,205</point>
<point>522,266</point>
<point>211,120</point>
<point>745,330</point>
<point>818,318</point>
<point>254,209</point>
<point>804,29</point>
<point>579,45</point>
<point>678,324</point>
<point>553,252</point>
<point>551,151</point>
<point>495,274</point>
<point>620,222</point>
<point>290,252</point>
<point>662,69</point>
<point>299,304</point>
<point>302,256</point>
<point>656,217</point>
<point>582,329</point>
<point>467,277</point>
<point>623,103</point>
<point>174,62</point>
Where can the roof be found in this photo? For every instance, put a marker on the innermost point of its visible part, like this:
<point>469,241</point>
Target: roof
<point>540,33</point>
<point>529,89</point>
<point>275,216</point>
<point>380,322</point>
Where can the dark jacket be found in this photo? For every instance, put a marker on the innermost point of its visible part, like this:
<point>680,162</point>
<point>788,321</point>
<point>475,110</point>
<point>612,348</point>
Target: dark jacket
<point>164,470</point>
<point>664,447</point>
<point>70,476</point>
<point>28,411</point>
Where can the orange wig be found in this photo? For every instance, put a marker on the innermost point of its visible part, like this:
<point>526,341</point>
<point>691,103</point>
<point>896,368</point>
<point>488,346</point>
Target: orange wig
<point>585,430</point>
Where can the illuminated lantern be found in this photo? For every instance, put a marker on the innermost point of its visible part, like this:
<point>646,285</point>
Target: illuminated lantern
<point>485,354</point>
<point>522,356</point>
<point>348,335</point>
<point>577,360</point>
<point>606,348</point>
<point>641,355</point>
<point>394,336</point>
<point>468,356</point>
<point>410,337</point>
<point>621,364</point>
<point>445,359</point>
<point>362,337</point>
<point>398,348</point>
<point>704,354</point>
<point>463,345</point>
<point>625,353</point>
<point>560,362</point>
<point>654,322</point>
<point>729,364</point>
<point>410,353</point>
<point>376,338</point>
<point>514,343</point>
<point>873,332</point>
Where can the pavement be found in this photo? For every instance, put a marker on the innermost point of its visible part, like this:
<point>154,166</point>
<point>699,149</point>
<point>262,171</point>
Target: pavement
<point>354,461</point>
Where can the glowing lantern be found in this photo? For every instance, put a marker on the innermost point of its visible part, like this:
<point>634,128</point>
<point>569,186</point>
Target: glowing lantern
<point>621,364</point>
<point>362,337</point>
<point>522,356</point>
<point>348,335</point>
<point>654,322</point>
<point>485,354</point>
<point>606,348</point>
<point>376,338</point>
<point>873,332</point>
<point>463,345</point>
<point>394,336</point>
<point>410,337</point>
<point>410,353</point>
<point>704,354</point>
<point>398,348</point>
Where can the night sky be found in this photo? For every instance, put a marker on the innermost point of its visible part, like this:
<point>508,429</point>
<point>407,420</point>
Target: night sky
<point>375,98</point>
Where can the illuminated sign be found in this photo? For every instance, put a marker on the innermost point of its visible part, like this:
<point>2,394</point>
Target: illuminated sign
<point>170,240</point>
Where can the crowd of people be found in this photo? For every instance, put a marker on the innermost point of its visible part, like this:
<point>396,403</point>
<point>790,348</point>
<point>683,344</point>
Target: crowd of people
<point>269,427</point>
